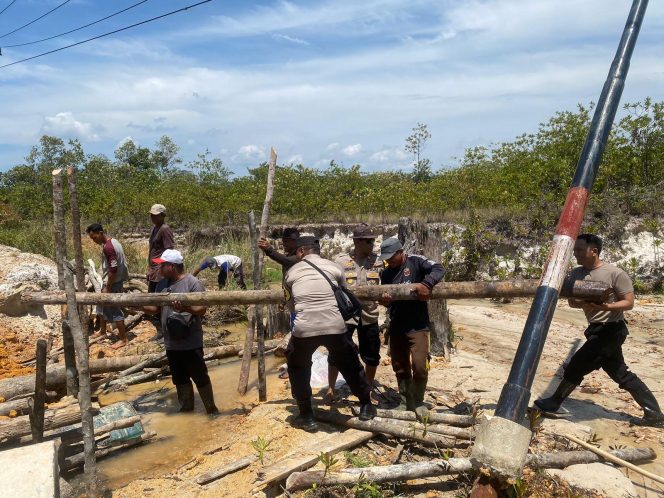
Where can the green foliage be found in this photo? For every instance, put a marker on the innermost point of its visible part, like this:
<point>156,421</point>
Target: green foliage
<point>355,460</point>
<point>366,489</point>
<point>261,446</point>
<point>518,490</point>
<point>328,462</point>
<point>521,183</point>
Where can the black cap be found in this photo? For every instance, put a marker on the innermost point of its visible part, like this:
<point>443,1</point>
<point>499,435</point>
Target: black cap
<point>306,240</point>
<point>363,231</point>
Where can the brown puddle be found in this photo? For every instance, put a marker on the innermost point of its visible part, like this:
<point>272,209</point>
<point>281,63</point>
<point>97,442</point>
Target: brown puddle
<point>180,437</point>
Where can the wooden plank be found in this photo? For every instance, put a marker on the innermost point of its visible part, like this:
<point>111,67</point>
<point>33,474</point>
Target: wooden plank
<point>215,474</point>
<point>307,455</point>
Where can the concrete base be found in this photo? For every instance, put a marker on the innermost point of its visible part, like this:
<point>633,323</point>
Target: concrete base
<point>600,478</point>
<point>31,471</point>
<point>501,446</point>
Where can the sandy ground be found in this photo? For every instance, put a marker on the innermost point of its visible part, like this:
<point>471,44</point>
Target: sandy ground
<point>487,334</point>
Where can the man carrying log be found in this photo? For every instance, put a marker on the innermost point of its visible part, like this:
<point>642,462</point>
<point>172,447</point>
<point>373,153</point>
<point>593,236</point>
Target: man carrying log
<point>288,239</point>
<point>115,272</point>
<point>605,334</point>
<point>318,322</point>
<point>227,263</point>
<point>409,321</point>
<point>183,333</point>
<point>361,267</point>
<point>161,239</point>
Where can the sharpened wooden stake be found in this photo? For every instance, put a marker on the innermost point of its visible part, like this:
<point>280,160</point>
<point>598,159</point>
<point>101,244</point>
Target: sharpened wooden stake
<point>37,414</point>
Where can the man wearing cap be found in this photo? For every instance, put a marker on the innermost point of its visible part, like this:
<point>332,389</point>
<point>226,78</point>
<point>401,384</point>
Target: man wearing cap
<point>409,321</point>
<point>161,238</point>
<point>115,272</point>
<point>183,333</point>
<point>288,239</point>
<point>227,263</point>
<point>361,267</point>
<point>318,322</point>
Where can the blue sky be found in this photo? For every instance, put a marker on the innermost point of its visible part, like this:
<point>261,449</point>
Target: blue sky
<point>337,79</point>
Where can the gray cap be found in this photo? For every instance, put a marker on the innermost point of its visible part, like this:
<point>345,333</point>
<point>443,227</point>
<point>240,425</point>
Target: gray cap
<point>389,248</point>
<point>157,209</point>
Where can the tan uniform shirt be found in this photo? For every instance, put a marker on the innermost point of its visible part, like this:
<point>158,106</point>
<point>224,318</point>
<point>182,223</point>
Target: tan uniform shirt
<point>363,274</point>
<point>619,282</point>
<point>312,298</point>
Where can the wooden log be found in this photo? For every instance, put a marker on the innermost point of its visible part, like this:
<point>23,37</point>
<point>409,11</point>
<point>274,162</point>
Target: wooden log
<point>434,417</point>
<point>18,407</point>
<point>39,400</point>
<point>150,362</point>
<point>435,468</point>
<point>80,346</point>
<point>562,459</point>
<point>77,460</point>
<point>307,455</point>
<point>140,377</point>
<point>20,426</point>
<point>614,459</point>
<point>447,430</point>
<point>583,289</point>
<point>386,428</point>
<point>215,474</point>
<point>70,437</point>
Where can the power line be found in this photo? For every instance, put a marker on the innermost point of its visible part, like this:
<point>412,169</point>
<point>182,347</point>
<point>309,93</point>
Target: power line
<point>10,4</point>
<point>107,34</point>
<point>35,20</point>
<point>77,29</point>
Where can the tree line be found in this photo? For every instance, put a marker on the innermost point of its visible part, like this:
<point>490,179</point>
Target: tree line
<point>525,179</point>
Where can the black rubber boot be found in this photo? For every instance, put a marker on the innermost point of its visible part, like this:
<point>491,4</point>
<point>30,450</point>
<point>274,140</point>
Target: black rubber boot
<point>185,397</point>
<point>652,414</point>
<point>405,395</point>
<point>207,396</point>
<point>305,420</point>
<point>553,403</point>
<point>367,411</point>
<point>419,388</point>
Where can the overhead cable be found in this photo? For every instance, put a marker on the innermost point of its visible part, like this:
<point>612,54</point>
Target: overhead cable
<point>107,34</point>
<point>76,29</point>
<point>10,4</point>
<point>35,20</point>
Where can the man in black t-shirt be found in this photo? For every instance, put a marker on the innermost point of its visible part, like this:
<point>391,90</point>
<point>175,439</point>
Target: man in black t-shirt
<point>409,321</point>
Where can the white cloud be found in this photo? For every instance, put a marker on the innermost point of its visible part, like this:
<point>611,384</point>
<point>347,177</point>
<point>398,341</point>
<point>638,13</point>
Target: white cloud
<point>126,139</point>
<point>64,124</point>
<point>382,156</point>
<point>252,151</point>
<point>333,146</point>
<point>296,159</point>
<point>292,39</point>
<point>351,150</point>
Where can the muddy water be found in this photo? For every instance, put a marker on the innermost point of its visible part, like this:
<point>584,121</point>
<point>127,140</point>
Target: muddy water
<point>180,437</point>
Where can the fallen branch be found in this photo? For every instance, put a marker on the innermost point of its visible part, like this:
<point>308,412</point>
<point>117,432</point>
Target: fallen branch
<point>213,475</point>
<point>434,417</point>
<point>20,426</point>
<point>615,459</point>
<point>439,467</point>
<point>413,434</point>
<point>17,407</point>
<point>78,459</point>
<point>448,430</point>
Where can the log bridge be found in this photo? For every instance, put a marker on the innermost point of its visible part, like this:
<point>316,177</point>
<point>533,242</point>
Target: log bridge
<point>581,289</point>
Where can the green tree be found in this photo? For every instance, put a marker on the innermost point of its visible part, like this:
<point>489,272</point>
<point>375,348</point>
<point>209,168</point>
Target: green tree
<point>415,144</point>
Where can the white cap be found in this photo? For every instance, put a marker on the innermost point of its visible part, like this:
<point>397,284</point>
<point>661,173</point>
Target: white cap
<point>170,256</point>
<point>157,209</point>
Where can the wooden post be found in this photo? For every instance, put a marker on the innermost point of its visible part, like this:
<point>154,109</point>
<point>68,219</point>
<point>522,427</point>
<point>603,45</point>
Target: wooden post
<point>80,344</point>
<point>61,256</point>
<point>37,413</point>
<point>77,243</point>
<point>257,274</point>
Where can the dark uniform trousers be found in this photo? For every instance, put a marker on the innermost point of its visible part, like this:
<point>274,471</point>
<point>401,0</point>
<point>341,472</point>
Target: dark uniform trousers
<point>603,349</point>
<point>368,336</point>
<point>186,365</point>
<point>410,354</point>
<point>343,354</point>
<point>238,275</point>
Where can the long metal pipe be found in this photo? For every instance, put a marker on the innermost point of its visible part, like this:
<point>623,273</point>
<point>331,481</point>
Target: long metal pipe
<point>515,395</point>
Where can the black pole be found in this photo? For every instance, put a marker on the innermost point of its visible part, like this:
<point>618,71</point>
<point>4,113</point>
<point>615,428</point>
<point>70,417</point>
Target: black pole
<point>515,395</point>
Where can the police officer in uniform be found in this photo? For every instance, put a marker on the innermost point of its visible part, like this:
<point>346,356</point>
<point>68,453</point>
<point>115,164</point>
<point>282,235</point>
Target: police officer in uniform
<point>361,267</point>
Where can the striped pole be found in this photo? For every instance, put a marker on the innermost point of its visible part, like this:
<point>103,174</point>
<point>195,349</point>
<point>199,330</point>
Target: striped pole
<point>515,395</point>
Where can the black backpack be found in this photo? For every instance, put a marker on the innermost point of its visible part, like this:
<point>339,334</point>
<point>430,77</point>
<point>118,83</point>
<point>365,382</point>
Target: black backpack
<point>347,302</point>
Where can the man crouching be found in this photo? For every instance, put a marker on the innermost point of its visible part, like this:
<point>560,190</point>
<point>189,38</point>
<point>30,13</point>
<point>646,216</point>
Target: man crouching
<point>318,322</point>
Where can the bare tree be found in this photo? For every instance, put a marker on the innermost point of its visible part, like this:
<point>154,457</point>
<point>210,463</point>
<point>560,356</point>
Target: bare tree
<point>415,144</point>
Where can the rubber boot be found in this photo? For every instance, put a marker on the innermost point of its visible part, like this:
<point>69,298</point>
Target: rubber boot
<point>652,414</point>
<point>207,396</point>
<point>553,403</point>
<point>185,397</point>
<point>305,420</point>
<point>405,395</point>
<point>419,388</point>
